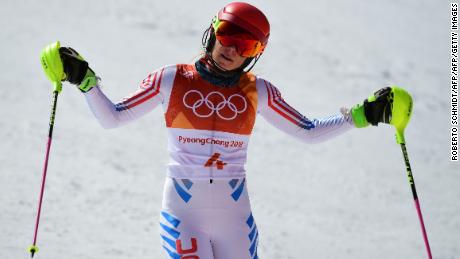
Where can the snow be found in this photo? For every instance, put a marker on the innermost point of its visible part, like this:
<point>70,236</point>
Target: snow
<point>346,198</point>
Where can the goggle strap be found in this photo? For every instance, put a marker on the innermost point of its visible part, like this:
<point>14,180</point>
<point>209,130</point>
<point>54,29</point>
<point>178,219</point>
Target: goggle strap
<point>215,22</point>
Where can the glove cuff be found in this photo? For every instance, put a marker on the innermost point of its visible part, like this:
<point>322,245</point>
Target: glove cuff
<point>358,116</point>
<point>88,82</point>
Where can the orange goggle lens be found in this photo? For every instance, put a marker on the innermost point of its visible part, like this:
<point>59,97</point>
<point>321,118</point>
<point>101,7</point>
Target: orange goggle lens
<point>244,47</point>
<point>230,35</point>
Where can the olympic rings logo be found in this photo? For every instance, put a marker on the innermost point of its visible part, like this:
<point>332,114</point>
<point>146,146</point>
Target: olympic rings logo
<point>215,108</point>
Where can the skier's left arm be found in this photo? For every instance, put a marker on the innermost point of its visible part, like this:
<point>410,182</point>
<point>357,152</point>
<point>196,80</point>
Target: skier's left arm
<point>280,114</point>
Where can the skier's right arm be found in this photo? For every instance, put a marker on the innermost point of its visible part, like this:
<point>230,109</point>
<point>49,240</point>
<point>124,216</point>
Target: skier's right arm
<point>111,115</point>
<point>151,92</point>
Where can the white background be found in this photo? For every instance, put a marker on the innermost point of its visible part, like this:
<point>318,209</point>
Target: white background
<point>347,198</point>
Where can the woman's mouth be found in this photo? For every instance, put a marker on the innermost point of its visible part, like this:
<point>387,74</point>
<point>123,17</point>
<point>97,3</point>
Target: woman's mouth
<point>226,58</point>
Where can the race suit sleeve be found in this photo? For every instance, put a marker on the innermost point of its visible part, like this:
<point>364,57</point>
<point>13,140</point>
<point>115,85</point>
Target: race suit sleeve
<point>152,91</point>
<point>281,115</point>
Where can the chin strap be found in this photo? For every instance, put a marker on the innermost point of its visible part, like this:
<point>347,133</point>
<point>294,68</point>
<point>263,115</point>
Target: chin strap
<point>210,73</point>
<point>220,70</point>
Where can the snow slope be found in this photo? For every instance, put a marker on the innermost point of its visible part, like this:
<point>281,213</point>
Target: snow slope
<point>347,198</point>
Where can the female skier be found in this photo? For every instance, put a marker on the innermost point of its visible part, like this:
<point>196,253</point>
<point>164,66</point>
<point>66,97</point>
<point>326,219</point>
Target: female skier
<point>210,108</point>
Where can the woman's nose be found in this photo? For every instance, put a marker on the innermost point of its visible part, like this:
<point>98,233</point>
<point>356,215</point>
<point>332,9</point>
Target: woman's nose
<point>231,50</point>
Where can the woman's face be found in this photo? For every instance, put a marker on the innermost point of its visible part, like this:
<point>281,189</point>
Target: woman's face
<point>227,57</point>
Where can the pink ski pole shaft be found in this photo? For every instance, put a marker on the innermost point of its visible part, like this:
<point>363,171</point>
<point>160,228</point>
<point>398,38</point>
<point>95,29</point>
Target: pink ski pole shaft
<point>33,248</point>
<point>417,203</point>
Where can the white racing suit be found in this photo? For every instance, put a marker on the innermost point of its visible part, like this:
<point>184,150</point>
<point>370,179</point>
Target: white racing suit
<point>206,212</point>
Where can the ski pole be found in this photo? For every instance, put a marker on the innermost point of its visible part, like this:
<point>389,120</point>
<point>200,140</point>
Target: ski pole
<point>403,101</point>
<point>52,65</point>
<point>33,249</point>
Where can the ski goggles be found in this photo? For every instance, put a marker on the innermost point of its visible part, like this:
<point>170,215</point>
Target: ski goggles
<point>229,35</point>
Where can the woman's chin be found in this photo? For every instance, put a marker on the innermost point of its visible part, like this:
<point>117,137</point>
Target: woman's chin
<point>225,64</point>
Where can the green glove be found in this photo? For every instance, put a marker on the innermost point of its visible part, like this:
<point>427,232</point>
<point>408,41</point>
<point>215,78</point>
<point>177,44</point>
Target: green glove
<point>375,109</point>
<point>76,69</point>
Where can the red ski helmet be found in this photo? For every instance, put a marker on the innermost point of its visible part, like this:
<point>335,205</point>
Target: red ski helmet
<point>245,16</point>
<point>248,17</point>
